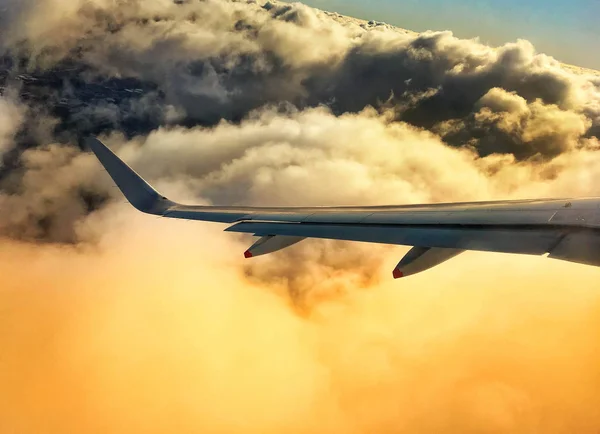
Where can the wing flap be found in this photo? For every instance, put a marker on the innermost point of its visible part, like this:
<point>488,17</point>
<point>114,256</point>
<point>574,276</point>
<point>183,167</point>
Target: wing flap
<point>270,244</point>
<point>419,259</point>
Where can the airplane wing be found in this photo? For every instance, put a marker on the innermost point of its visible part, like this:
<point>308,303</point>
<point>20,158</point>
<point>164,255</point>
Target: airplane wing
<point>566,229</point>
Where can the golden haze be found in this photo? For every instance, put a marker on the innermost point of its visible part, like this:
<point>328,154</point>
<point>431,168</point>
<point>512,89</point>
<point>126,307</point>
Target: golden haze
<point>158,330</point>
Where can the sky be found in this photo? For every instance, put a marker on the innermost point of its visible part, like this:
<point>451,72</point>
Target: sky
<point>565,29</point>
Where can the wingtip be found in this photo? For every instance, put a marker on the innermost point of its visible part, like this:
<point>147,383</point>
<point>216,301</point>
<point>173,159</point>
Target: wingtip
<point>397,273</point>
<point>137,191</point>
<point>247,254</point>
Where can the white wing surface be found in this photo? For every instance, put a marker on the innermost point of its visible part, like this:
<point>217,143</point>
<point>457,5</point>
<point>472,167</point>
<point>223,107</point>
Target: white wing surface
<point>567,229</point>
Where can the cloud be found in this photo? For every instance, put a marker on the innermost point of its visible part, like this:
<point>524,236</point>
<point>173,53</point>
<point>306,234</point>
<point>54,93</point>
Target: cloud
<point>272,158</point>
<point>157,328</point>
<point>117,320</point>
<point>11,117</point>
<point>212,60</point>
<point>506,123</point>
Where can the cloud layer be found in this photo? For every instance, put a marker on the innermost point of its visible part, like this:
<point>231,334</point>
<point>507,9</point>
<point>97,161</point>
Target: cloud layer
<point>115,321</point>
<point>157,329</point>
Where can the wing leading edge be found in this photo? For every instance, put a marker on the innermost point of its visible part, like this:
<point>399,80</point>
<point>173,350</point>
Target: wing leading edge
<point>566,229</point>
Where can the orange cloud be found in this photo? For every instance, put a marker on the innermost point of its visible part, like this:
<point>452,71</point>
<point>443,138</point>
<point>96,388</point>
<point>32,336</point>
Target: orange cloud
<point>158,329</point>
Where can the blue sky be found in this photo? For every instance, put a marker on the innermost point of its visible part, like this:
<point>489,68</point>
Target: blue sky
<point>566,29</point>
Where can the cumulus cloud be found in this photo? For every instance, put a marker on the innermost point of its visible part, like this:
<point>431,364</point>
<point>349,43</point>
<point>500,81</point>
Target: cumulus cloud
<point>212,60</point>
<point>11,117</point>
<point>120,320</point>
<point>273,159</point>
<point>506,123</point>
